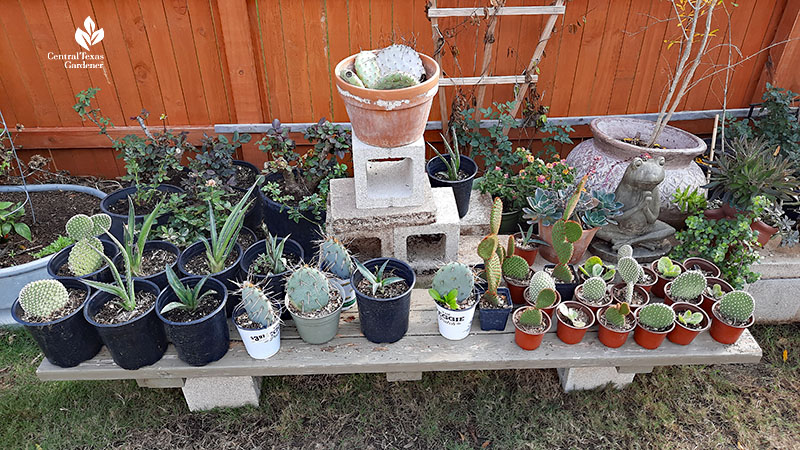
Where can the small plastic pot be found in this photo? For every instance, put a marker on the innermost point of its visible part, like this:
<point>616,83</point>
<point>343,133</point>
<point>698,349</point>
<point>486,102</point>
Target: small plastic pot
<point>610,338</point>
<point>254,216</point>
<point>724,333</point>
<point>119,220</point>
<point>568,333</point>
<point>704,265</point>
<point>462,189</point>
<point>658,288</point>
<point>67,341</point>
<point>384,319</point>
<point>227,276</point>
<point>636,288</point>
<point>160,278</point>
<point>581,299</point>
<point>509,221</point>
<point>529,255</point>
<point>681,334</point>
<point>567,290</point>
<point>516,289</point>
<point>709,301</point>
<point>136,343</point>
<point>668,300</point>
<point>495,319</point>
<point>532,302</point>
<point>654,275</point>
<point>275,283</point>
<point>260,343</point>
<point>650,340</point>
<point>203,340</point>
<point>525,340</point>
<point>61,259</point>
<point>455,325</point>
<point>318,330</point>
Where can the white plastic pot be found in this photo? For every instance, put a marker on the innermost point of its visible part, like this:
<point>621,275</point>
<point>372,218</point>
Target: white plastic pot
<point>261,343</point>
<point>349,294</point>
<point>455,325</point>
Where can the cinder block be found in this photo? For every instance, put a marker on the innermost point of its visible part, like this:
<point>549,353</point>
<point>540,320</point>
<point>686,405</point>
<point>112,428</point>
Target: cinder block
<point>772,267</point>
<point>432,243</point>
<point>204,393</point>
<point>776,300</point>
<point>476,222</point>
<point>387,177</point>
<point>585,378</point>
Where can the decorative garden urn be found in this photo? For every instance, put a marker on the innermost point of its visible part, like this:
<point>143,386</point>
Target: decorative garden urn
<point>607,157</point>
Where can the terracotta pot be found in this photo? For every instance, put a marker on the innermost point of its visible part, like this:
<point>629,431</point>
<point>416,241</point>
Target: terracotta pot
<point>658,288</point>
<point>650,340</point>
<point>569,334</point>
<point>704,265</point>
<point>529,341</point>
<point>549,311</point>
<point>681,334</point>
<point>517,290</point>
<point>608,157</point>
<point>547,252</point>
<point>393,117</point>
<point>610,338</point>
<point>715,214</point>
<point>635,289</point>
<point>528,255</point>
<point>729,210</point>
<point>649,287</point>
<point>580,298</point>
<point>724,333</point>
<point>765,232</point>
<point>668,300</point>
<point>708,301</point>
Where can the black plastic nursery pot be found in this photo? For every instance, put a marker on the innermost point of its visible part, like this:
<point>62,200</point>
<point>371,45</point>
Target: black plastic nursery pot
<point>136,343</point>
<point>495,318</point>
<point>306,232</point>
<point>254,216</point>
<point>509,221</point>
<point>200,341</point>
<point>228,276</point>
<point>160,278</point>
<point>68,341</point>
<point>119,220</point>
<point>384,319</point>
<point>567,290</point>
<point>61,258</point>
<point>462,189</point>
<point>275,283</point>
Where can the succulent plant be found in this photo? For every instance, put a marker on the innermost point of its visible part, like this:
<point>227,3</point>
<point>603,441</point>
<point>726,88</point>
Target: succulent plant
<point>258,305</point>
<point>351,77</point>
<point>81,228</point>
<point>656,316</point>
<point>625,250</point>
<point>690,317</point>
<point>493,254</point>
<point>616,314</point>
<point>565,234</point>
<point>367,69</point>
<point>272,259</point>
<point>454,276</point>
<point>688,285</point>
<point>188,298</point>
<point>101,223</point>
<point>531,317</point>
<point>630,272</point>
<point>595,267</point>
<point>539,281</point>
<point>397,80</point>
<point>546,298</point>
<point>308,289</point>
<point>737,305</point>
<point>716,291</point>
<point>667,268</point>
<point>378,280</point>
<point>572,315</point>
<point>43,297</point>
<point>134,240</point>
<point>335,258</point>
<point>516,267</point>
<point>222,242</point>
<point>399,58</point>
<point>594,289</point>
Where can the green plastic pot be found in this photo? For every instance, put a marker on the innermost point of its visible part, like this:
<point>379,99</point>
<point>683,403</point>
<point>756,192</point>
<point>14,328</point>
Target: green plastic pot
<point>318,330</point>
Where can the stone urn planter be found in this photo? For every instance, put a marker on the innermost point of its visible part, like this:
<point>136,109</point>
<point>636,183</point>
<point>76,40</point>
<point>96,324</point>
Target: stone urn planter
<point>608,155</point>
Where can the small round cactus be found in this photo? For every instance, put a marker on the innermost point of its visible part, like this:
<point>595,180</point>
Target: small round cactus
<point>516,267</point>
<point>737,305</point>
<point>688,285</point>
<point>625,251</point>
<point>43,297</point>
<point>308,289</point>
<point>454,275</point>
<point>539,281</point>
<point>656,316</point>
<point>80,226</point>
<point>594,289</point>
<point>630,271</point>
<point>84,257</point>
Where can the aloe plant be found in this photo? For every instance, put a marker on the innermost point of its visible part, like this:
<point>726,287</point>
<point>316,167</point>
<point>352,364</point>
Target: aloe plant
<point>452,164</point>
<point>133,245</point>
<point>377,279</point>
<point>221,244</point>
<point>122,288</point>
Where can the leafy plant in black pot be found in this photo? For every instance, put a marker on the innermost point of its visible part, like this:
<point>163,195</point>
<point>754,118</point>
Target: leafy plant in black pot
<point>383,293</point>
<point>453,170</point>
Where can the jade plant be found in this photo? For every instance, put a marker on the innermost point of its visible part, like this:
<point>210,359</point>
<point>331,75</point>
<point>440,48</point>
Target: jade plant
<point>571,314</point>
<point>629,270</point>
<point>188,298</point>
<point>379,279</point>
<point>395,67</point>
<point>595,267</point>
<point>41,298</point>
<point>656,316</point>
<point>667,268</point>
<point>335,258</point>
<point>258,305</point>
<point>308,289</point>
<point>594,290</point>
<point>452,285</point>
<point>83,259</point>
<point>737,306</point>
<point>272,260</point>
<point>688,286</point>
<point>617,314</point>
<point>565,234</point>
<point>493,254</point>
<point>222,242</point>
<point>690,317</point>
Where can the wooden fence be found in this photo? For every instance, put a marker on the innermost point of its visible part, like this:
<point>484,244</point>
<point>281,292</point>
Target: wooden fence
<point>204,62</point>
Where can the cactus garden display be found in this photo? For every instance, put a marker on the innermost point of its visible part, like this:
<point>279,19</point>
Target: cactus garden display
<point>452,286</point>
<point>41,298</point>
<point>83,259</point>
<point>688,287</point>
<point>656,317</point>
<point>395,67</point>
<point>595,267</point>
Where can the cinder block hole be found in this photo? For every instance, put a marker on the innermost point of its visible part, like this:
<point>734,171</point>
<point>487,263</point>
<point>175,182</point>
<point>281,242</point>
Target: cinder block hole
<point>365,248</point>
<point>426,247</point>
<point>389,178</point>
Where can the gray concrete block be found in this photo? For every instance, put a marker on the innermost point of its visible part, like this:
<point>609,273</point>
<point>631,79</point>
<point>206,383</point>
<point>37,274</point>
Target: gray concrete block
<point>435,242</point>
<point>772,267</point>
<point>585,378</point>
<point>476,222</point>
<point>389,176</point>
<point>206,393</point>
<point>777,300</point>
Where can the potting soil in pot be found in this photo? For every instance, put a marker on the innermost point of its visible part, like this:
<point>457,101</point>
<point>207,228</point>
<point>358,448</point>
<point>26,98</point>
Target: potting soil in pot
<point>530,329</point>
<point>582,316</point>
<point>444,177</point>
<point>139,208</point>
<point>334,302</point>
<point>486,304</point>
<point>637,300</point>
<point>112,312</point>
<point>261,266</point>
<point>245,240</point>
<point>76,298</point>
<point>390,291</point>
<point>244,321</point>
<point>646,279</point>
<point>198,265</point>
<point>153,262</point>
<point>205,306</point>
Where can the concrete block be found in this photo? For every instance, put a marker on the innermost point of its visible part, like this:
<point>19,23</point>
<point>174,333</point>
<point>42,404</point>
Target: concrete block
<point>160,383</point>
<point>387,177</point>
<point>206,393</point>
<point>403,376</point>
<point>432,243</point>
<point>585,378</point>
<point>776,300</point>
<point>476,222</point>
<point>772,267</point>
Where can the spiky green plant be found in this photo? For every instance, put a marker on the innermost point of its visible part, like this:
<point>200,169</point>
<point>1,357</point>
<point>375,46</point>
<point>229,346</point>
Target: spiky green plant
<point>188,298</point>
<point>595,267</point>
<point>624,250</point>
<point>133,241</point>
<point>516,267</point>
<point>122,288</point>
<point>630,272</point>
<point>594,289</point>
<point>539,281</point>
<point>399,58</point>
<point>530,317</point>
<point>688,286</point>
<point>616,314</point>
<point>258,305</point>
<point>222,243</point>
<point>565,234</point>
<point>667,268</point>
<point>737,305</point>
<point>453,276</point>
<point>546,298</point>
<point>716,291</point>
<point>308,289</point>
<point>82,229</point>
<point>492,253</point>
<point>366,67</point>
<point>272,259</point>
<point>656,316</point>
<point>335,258</point>
<point>41,298</point>
<point>378,280</point>
<point>452,162</point>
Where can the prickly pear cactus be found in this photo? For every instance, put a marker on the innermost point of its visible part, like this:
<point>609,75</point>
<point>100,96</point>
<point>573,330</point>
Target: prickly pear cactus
<point>83,259</point>
<point>616,314</point>
<point>737,305</point>
<point>366,66</point>
<point>594,289</point>
<point>43,297</point>
<point>628,269</point>
<point>308,289</point>
<point>454,275</point>
<point>546,298</point>
<point>625,251</point>
<point>656,316</point>
<point>335,258</point>
<point>399,58</point>
<point>493,254</point>
<point>516,267</point>
<point>80,226</point>
<point>539,281</point>
<point>101,223</point>
<point>351,77</point>
<point>531,317</point>
<point>397,80</point>
<point>688,285</point>
<point>565,234</point>
<point>496,216</point>
<point>258,305</point>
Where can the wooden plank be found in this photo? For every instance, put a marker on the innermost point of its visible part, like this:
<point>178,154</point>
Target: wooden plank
<point>160,383</point>
<point>474,81</point>
<point>437,37</point>
<point>294,40</point>
<point>319,63</point>
<point>273,60</point>
<point>784,58</point>
<point>209,56</point>
<point>628,57</point>
<point>649,59</point>
<point>765,60</point>
<point>490,36</point>
<point>567,63</point>
<point>85,137</point>
<point>338,41</point>
<point>505,11</point>
<point>239,54</point>
<point>609,57</point>
<point>589,54</point>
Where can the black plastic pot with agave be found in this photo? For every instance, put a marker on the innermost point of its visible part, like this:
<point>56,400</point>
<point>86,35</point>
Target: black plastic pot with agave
<point>383,292</point>
<point>453,170</point>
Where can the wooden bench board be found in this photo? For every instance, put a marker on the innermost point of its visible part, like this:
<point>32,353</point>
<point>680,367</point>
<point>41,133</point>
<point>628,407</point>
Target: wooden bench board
<point>421,350</point>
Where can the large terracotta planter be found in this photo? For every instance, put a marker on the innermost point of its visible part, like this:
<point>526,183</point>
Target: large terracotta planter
<point>547,252</point>
<point>765,232</point>
<point>608,156</point>
<point>389,118</point>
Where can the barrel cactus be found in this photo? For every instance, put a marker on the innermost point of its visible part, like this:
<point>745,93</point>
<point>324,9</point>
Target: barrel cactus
<point>539,281</point>
<point>630,272</point>
<point>737,305</point>
<point>335,258</point>
<point>454,275</point>
<point>656,316</point>
<point>41,298</point>
<point>308,289</point>
<point>688,286</point>
<point>616,314</point>
<point>258,305</point>
<point>594,289</point>
<point>516,267</point>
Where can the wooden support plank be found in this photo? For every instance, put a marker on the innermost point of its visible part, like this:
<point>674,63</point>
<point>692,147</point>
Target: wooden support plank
<point>88,137</point>
<point>635,369</point>
<point>435,12</point>
<point>473,81</point>
<point>438,45</point>
<point>489,39</point>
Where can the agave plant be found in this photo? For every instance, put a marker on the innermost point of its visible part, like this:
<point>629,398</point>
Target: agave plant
<point>122,288</point>
<point>453,163</point>
<point>222,242</point>
<point>188,298</point>
<point>133,245</point>
<point>377,280</point>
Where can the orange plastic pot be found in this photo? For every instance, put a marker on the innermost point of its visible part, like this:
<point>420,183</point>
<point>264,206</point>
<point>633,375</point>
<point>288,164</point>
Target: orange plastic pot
<point>517,291</point>
<point>658,288</point>
<point>529,341</point>
<point>393,117</point>
<point>702,264</point>
<point>724,333</point>
<point>610,338</point>
<point>580,298</point>
<point>649,287</point>
<point>709,301</point>
<point>549,311</point>
<point>528,255</point>
<point>638,288</point>
<point>580,247</point>
<point>765,232</point>
<point>668,300</point>
<point>569,334</point>
<point>650,340</point>
<point>681,334</point>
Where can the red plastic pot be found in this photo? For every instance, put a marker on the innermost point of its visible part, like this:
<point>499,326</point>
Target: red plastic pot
<point>529,341</point>
<point>517,290</point>
<point>649,287</point>
<point>668,300</point>
<point>548,311</point>
<point>548,253</point>
<point>708,301</point>
<point>580,298</point>
<point>650,340</point>
<point>658,288</point>
<point>704,265</point>
<point>724,333</point>
<point>610,338</point>
<point>681,334</point>
<point>635,288</point>
<point>715,214</point>
<point>528,255</point>
<point>569,334</point>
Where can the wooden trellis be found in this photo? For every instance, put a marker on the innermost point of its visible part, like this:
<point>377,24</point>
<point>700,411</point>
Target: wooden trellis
<point>525,80</point>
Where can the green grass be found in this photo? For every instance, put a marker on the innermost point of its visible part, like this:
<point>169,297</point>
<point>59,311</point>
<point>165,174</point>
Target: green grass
<point>753,406</point>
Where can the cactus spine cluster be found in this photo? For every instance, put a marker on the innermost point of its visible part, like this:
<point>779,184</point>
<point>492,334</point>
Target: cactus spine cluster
<point>688,285</point>
<point>656,316</point>
<point>395,67</point>
<point>334,258</point>
<point>616,314</point>
<point>454,275</point>
<point>308,289</point>
<point>493,254</point>
<point>43,297</point>
<point>565,234</point>
<point>737,305</point>
<point>594,289</point>
<point>83,259</point>
<point>258,305</point>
